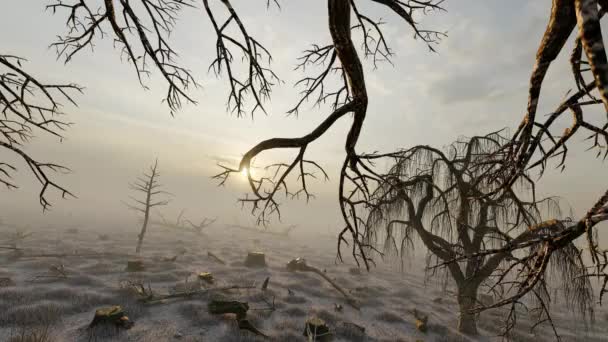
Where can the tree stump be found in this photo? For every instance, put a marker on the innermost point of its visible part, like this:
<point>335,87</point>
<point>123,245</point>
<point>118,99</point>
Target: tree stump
<point>297,264</point>
<point>6,281</point>
<point>255,259</point>
<point>206,277</point>
<point>421,325</point>
<point>104,237</point>
<point>219,307</point>
<point>316,329</point>
<point>112,315</point>
<point>354,271</point>
<point>135,266</point>
<point>421,320</point>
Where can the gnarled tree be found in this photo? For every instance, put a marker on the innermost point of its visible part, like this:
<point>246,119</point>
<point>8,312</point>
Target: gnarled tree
<point>437,197</point>
<point>537,140</point>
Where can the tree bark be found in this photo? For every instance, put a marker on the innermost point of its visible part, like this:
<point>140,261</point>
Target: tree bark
<point>467,297</point>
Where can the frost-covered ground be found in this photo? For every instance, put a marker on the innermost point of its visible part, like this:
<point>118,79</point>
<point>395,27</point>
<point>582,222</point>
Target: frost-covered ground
<point>66,305</point>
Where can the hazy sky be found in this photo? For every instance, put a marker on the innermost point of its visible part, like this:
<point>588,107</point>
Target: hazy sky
<point>477,82</point>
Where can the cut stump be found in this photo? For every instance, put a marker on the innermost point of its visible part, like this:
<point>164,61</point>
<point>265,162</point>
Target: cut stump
<point>112,315</point>
<point>421,320</point>
<point>135,266</point>
<point>316,329</point>
<point>255,259</point>
<point>6,281</point>
<point>206,277</point>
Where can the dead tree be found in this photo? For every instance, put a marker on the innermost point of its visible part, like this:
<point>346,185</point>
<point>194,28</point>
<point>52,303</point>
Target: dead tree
<point>538,140</point>
<point>184,224</point>
<point>150,187</point>
<point>30,106</point>
<point>338,60</point>
<point>437,197</point>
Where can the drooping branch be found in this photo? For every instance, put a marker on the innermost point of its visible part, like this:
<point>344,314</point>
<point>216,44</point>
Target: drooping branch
<point>259,77</point>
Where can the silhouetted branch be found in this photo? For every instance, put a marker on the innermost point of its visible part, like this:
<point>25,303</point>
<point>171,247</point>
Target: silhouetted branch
<point>29,105</point>
<point>141,29</point>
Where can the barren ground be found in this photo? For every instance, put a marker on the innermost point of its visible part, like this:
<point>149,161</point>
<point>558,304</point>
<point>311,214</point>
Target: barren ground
<point>65,306</point>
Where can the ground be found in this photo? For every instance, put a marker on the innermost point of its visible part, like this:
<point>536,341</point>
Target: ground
<point>42,299</point>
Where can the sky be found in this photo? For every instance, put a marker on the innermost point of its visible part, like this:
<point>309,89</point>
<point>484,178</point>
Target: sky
<point>474,84</point>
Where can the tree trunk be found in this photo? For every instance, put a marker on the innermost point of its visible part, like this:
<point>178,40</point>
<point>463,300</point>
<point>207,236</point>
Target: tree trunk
<point>146,217</point>
<point>467,297</point>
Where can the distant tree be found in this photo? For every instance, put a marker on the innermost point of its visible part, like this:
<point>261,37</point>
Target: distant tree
<point>183,224</point>
<point>30,106</point>
<point>437,197</point>
<point>149,186</point>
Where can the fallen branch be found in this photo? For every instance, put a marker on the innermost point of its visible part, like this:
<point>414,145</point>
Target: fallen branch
<point>216,258</point>
<point>300,265</point>
<point>150,298</point>
<point>55,272</point>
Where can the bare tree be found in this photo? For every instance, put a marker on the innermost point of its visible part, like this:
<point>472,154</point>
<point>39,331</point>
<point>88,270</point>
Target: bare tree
<point>339,57</point>
<point>537,140</point>
<point>184,224</point>
<point>438,198</point>
<point>30,106</point>
<point>150,187</point>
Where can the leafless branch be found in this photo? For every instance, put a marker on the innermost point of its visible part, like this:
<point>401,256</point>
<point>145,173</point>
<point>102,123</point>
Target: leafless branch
<point>28,106</point>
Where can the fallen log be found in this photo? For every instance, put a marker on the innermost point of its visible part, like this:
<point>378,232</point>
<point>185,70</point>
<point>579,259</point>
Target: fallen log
<point>150,298</point>
<point>300,265</point>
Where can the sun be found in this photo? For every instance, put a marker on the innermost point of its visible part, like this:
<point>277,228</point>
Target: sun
<point>244,172</point>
